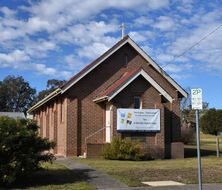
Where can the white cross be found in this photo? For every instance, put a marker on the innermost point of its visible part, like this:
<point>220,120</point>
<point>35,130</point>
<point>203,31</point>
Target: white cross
<point>123,26</point>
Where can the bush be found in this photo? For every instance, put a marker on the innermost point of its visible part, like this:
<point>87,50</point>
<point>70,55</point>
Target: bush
<point>21,149</point>
<point>122,149</point>
<point>211,122</point>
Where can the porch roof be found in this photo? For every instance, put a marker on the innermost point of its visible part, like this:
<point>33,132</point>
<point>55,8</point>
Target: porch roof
<point>124,81</point>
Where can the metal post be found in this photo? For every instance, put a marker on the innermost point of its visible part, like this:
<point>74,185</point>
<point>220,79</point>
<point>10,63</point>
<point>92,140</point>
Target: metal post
<point>218,148</point>
<point>198,150</point>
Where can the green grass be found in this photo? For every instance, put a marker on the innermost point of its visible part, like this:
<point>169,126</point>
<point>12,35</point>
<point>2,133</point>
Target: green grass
<point>208,146</point>
<point>55,176</point>
<point>181,170</point>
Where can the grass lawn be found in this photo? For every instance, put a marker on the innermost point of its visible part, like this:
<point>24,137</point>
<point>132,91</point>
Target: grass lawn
<point>55,176</point>
<point>181,170</point>
<point>208,146</point>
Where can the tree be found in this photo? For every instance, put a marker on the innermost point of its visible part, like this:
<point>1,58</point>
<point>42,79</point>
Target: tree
<point>211,122</point>
<point>21,149</point>
<point>52,84</point>
<point>16,94</point>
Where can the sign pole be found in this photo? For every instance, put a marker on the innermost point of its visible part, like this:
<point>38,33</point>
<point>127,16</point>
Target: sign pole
<point>197,104</point>
<point>198,150</point>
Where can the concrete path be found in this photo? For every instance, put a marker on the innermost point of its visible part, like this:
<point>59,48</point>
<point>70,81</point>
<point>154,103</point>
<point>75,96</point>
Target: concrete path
<point>105,182</point>
<point>98,179</point>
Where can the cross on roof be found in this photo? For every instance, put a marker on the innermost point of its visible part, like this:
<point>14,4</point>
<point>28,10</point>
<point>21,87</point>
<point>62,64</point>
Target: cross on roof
<point>123,27</point>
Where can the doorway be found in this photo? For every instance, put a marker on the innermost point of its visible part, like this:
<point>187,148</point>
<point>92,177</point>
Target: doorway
<point>108,123</point>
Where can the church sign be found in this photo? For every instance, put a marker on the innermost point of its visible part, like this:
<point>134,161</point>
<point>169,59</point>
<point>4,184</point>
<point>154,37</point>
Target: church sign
<point>144,120</point>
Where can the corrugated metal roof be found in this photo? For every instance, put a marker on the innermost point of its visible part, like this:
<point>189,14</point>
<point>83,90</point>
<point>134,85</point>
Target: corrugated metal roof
<point>126,76</point>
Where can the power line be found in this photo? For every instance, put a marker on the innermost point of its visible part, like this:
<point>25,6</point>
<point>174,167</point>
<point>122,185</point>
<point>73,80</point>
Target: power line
<point>194,45</point>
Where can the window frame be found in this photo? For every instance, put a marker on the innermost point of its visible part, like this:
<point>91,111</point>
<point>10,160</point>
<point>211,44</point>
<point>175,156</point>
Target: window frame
<point>140,102</point>
<point>126,60</point>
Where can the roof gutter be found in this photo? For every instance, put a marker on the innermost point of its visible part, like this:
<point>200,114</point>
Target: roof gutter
<point>100,99</point>
<point>44,100</point>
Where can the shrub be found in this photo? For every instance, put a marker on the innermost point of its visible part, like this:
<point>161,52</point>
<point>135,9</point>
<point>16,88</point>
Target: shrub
<point>21,149</point>
<point>122,149</point>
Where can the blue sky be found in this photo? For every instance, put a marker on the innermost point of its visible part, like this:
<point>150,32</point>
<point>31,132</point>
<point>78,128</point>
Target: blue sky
<point>47,39</point>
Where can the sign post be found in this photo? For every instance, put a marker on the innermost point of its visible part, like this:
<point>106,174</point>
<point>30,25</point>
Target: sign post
<point>196,100</point>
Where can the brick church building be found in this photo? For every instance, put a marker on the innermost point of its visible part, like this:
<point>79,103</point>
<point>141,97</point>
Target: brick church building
<point>81,115</point>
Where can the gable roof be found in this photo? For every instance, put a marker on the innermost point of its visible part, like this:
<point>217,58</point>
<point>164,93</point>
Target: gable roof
<point>93,64</point>
<point>112,50</point>
<point>99,60</point>
<point>125,80</point>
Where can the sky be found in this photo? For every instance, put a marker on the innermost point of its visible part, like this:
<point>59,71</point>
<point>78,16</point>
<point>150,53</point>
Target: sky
<point>45,39</point>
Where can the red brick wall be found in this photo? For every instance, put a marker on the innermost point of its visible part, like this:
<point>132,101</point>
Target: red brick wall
<point>94,150</point>
<point>72,127</point>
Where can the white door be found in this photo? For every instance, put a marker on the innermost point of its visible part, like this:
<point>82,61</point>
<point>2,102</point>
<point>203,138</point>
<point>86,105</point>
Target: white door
<point>108,117</point>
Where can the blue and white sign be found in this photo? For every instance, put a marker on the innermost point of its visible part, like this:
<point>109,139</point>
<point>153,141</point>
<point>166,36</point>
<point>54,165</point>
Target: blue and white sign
<point>138,119</point>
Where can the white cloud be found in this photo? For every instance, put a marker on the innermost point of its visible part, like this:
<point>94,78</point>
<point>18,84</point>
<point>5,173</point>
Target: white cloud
<point>156,4</point>
<point>84,34</point>
<point>175,68</point>
<point>36,24</point>
<point>208,51</point>
<point>44,70</point>
<point>94,50</point>
<point>164,23</point>
<point>206,55</point>
<point>38,48</point>
<point>180,76</point>
<point>61,13</point>
<point>141,36</point>
<point>137,36</point>
<point>52,25</point>
<point>163,58</point>
<point>186,6</point>
<point>63,22</point>
<point>142,21</point>
<point>13,59</point>
<point>7,12</point>
<point>73,63</point>
<point>20,60</point>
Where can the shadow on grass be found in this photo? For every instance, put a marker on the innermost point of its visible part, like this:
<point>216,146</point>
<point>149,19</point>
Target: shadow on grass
<point>192,152</point>
<point>52,177</point>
